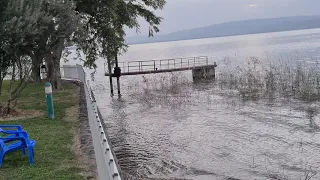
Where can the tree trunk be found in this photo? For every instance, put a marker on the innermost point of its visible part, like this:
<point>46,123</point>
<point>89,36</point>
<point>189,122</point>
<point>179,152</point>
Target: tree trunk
<point>57,76</point>
<point>20,70</point>
<point>49,66</point>
<point>54,74</point>
<point>10,90</point>
<point>36,72</point>
<point>1,81</point>
<point>36,63</point>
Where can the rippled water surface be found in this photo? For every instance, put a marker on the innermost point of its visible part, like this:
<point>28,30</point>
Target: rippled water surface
<point>167,127</point>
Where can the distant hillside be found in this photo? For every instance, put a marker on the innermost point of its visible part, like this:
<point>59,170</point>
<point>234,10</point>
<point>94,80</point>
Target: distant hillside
<point>236,28</point>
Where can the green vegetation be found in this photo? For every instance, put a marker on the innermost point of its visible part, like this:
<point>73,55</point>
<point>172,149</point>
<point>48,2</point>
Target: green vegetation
<point>282,78</point>
<point>54,156</point>
<point>34,32</point>
<point>253,80</point>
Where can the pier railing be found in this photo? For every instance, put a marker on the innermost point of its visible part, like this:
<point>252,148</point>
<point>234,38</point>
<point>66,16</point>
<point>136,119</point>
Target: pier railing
<point>160,65</point>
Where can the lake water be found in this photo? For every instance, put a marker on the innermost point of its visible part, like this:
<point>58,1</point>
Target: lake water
<point>167,127</point>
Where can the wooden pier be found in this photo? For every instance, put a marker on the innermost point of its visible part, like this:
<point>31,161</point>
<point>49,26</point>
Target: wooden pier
<point>199,65</point>
<point>161,66</point>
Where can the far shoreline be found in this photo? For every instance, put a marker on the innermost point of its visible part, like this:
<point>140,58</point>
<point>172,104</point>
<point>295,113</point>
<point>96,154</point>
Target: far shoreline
<point>214,37</point>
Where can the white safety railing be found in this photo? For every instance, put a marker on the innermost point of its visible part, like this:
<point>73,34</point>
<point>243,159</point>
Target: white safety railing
<point>108,168</point>
<point>164,64</point>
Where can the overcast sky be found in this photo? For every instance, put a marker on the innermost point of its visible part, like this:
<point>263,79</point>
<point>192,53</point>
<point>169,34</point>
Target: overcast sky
<point>188,14</point>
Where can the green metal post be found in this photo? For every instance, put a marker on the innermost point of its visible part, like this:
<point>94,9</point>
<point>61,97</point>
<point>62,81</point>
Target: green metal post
<point>48,90</point>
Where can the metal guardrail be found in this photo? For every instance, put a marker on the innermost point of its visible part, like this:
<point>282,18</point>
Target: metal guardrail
<point>73,72</point>
<point>108,168</point>
<point>154,65</point>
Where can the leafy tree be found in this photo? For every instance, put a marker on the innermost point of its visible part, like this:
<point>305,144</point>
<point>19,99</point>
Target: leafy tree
<point>40,29</point>
<point>19,29</point>
<point>105,23</point>
<point>66,21</point>
<point>28,28</point>
<point>4,59</point>
<point>5,63</point>
<point>96,26</point>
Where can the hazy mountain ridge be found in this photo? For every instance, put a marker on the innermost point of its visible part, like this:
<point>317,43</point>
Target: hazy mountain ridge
<point>253,26</point>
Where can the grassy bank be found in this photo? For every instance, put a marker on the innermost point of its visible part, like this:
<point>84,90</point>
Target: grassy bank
<point>56,153</point>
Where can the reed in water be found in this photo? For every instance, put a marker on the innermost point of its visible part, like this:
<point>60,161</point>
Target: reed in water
<point>289,79</point>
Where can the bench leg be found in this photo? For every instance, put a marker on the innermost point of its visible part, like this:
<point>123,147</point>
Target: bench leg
<point>1,158</point>
<point>30,154</point>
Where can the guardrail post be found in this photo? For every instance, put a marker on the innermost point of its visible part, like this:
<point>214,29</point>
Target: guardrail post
<point>141,65</point>
<point>181,62</point>
<point>154,65</point>
<point>194,61</point>
<point>128,66</point>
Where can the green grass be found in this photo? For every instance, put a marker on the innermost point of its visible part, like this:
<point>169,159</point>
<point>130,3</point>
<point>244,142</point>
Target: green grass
<point>54,157</point>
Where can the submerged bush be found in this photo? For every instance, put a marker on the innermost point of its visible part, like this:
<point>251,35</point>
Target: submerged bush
<point>273,79</point>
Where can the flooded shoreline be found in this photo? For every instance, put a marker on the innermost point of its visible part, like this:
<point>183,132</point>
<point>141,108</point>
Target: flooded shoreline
<point>205,132</point>
<point>233,128</point>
